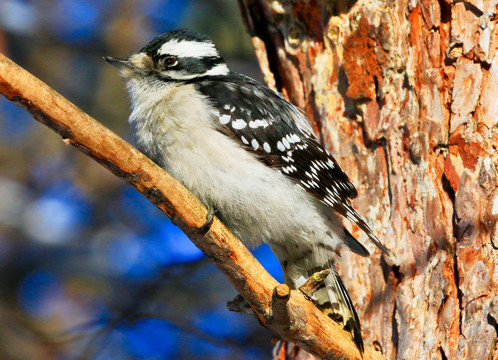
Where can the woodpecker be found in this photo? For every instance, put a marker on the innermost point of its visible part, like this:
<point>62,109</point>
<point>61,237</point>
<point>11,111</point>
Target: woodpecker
<point>248,153</point>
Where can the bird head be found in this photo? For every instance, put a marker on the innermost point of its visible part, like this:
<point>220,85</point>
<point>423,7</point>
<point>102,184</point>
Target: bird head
<point>175,56</point>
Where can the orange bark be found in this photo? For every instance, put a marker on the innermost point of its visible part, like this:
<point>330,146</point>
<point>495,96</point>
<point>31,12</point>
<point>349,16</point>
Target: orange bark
<point>404,94</point>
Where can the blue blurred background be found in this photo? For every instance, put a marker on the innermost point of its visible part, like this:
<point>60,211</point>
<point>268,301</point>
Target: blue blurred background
<point>89,268</point>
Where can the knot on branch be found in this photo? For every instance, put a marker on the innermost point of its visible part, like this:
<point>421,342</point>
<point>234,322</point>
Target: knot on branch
<point>281,314</point>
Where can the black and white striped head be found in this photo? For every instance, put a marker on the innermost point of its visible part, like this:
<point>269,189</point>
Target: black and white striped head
<point>179,55</point>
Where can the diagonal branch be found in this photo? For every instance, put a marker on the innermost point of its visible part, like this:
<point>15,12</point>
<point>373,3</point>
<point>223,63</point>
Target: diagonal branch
<point>303,324</point>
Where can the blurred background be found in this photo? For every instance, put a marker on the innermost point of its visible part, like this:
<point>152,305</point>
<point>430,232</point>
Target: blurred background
<point>88,268</point>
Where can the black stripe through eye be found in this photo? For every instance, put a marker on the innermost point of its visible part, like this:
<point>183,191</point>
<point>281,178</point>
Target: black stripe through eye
<point>199,65</point>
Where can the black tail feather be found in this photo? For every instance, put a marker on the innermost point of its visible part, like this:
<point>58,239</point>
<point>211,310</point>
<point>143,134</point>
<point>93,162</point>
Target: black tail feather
<point>354,244</point>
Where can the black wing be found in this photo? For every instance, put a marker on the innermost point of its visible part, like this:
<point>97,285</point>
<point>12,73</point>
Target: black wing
<point>279,134</point>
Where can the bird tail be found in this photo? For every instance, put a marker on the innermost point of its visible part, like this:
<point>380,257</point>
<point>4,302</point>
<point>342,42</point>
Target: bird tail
<point>331,297</point>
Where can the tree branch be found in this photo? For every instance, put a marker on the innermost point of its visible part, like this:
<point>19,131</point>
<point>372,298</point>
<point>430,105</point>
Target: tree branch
<point>298,319</point>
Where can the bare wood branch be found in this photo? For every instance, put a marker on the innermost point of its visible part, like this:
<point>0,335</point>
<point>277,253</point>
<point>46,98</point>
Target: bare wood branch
<point>301,322</point>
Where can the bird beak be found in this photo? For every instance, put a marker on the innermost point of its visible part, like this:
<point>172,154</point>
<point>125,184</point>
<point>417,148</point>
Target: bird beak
<point>119,63</point>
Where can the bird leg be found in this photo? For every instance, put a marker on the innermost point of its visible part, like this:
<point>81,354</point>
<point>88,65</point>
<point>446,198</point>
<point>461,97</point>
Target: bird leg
<point>313,283</point>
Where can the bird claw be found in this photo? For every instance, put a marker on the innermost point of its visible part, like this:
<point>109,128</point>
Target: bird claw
<point>204,228</point>
<point>239,305</point>
<point>313,283</point>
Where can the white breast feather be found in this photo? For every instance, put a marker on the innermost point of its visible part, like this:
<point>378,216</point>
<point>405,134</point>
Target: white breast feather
<point>256,202</point>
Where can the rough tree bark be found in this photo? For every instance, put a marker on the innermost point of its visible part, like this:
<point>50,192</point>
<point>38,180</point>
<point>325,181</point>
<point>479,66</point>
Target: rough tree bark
<point>405,94</point>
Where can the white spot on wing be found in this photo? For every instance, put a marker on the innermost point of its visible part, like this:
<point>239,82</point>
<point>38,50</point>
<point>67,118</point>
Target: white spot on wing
<point>255,144</point>
<point>224,119</point>
<point>239,124</point>
<point>295,138</point>
<point>254,124</point>
<point>244,140</point>
<point>314,184</point>
<point>305,183</point>
<point>280,146</point>
<point>266,147</point>
<point>328,201</point>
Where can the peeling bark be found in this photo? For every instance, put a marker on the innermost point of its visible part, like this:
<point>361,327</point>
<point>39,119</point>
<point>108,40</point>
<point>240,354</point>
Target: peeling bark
<point>405,95</point>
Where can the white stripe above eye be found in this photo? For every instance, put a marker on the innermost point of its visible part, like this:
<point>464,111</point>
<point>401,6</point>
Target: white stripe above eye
<point>184,48</point>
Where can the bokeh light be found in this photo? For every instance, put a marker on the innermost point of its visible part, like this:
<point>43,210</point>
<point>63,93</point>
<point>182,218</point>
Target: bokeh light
<point>151,339</point>
<point>59,214</point>
<point>76,21</point>
<point>89,267</point>
<point>14,121</point>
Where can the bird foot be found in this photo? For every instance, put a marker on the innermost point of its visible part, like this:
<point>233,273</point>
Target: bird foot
<point>313,283</point>
<point>239,305</point>
<point>204,228</point>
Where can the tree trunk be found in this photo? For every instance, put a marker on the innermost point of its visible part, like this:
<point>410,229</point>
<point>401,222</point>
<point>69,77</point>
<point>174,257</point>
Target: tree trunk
<point>405,95</point>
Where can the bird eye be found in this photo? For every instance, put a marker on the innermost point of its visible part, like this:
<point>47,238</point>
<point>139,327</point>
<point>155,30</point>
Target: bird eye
<point>168,61</point>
